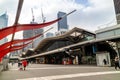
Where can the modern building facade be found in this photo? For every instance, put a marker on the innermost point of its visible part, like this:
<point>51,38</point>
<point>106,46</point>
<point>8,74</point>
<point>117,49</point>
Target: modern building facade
<point>55,50</point>
<point>37,40</point>
<point>3,24</point>
<point>3,20</point>
<point>27,34</point>
<point>62,24</point>
<point>31,33</point>
<point>117,10</point>
<point>78,46</point>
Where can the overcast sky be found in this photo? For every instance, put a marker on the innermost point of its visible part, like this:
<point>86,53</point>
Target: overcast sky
<point>90,14</point>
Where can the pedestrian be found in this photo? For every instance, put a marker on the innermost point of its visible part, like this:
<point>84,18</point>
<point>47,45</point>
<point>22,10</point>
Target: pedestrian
<point>117,63</point>
<point>24,63</point>
<point>19,64</point>
<point>104,61</point>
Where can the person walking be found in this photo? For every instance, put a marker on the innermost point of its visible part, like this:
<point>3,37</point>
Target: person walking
<point>117,63</point>
<point>104,62</point>
<point>24,63</point>
<point>19,64</point>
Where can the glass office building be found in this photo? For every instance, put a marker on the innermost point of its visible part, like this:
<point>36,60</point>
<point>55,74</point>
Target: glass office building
<point>62,24</point>
<point>3,24</point>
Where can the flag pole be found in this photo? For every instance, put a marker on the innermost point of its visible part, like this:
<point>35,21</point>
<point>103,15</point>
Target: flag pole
<point>16,20</point>
<point>68,13</point>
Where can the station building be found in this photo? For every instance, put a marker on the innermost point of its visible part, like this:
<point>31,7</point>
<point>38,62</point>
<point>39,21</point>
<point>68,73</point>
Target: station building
<point>78,46</point>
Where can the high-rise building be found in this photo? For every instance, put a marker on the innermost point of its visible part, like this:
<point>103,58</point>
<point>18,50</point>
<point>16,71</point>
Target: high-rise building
<point>62,24</point>
<point>31,33</point>
<point>117,10</point>
<point>27,34</point>
<point>49,34</point>
<point>3,20</point>
<point>37,40</point>
<point>3,24</point>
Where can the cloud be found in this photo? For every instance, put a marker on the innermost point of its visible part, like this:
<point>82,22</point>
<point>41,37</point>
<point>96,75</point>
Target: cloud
<point>96,13</point>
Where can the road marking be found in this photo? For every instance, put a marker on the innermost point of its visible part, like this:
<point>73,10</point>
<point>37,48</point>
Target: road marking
<point>56,68</point>
<point>71,75</point>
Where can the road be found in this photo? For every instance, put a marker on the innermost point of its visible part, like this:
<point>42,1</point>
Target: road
<point>60,72</point>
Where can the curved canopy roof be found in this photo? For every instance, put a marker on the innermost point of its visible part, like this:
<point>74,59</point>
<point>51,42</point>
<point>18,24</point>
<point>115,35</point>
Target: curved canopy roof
<point>75,32</point>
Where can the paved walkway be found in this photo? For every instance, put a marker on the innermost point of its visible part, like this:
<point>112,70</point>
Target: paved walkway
<point>60,72</point>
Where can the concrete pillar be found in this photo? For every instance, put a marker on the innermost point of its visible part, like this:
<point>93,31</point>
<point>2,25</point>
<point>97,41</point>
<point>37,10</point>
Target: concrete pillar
<point>83,50</point>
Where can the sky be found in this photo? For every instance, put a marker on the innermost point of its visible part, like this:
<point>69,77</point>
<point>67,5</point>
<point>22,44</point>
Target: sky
<point>90,15</point>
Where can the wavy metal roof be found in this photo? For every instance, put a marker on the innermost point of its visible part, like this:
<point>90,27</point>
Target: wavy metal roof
<point>64,36</point>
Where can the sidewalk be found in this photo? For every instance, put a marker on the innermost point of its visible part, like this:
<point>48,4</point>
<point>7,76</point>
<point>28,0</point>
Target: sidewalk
<point>47,71</point>
<point>13,73</point>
